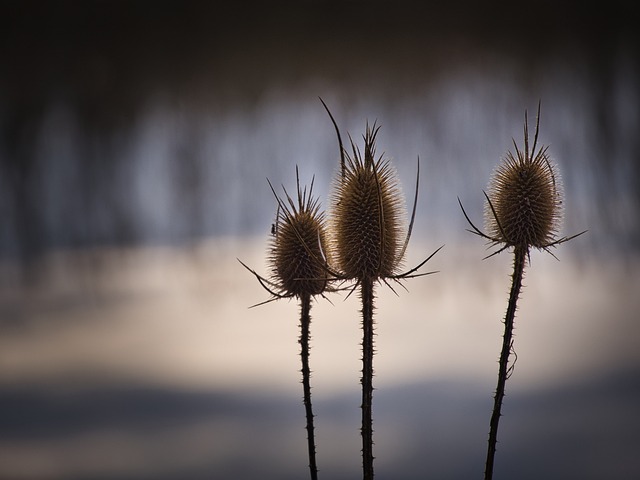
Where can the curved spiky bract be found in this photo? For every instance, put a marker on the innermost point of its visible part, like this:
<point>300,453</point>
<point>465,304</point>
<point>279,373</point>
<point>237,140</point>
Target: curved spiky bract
<point>526,201</point>
<point>368,215</point>
<point>298,246</point>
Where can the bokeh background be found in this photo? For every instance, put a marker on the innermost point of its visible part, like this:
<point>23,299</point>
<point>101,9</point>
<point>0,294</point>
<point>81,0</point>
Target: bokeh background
<point>135,142</point>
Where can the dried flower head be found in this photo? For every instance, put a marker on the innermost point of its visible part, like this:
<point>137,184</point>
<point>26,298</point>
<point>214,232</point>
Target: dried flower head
<point>298,247</point>
<point>368,223</point>
<point>524,205</point>
<point>368,215</point>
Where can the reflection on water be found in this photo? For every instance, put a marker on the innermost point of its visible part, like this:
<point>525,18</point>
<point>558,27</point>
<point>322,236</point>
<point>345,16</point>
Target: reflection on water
<point>147,363</point>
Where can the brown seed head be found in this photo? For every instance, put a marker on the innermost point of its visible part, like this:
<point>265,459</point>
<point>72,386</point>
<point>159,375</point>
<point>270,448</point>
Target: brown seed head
<point>297,251</point>
<point>525,199</point>
<point>368,215</point>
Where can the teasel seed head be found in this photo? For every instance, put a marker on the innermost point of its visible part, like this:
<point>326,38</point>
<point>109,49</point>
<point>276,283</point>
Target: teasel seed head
<point>368,220</point>
<point>297,252</point>
<point>524,200</point>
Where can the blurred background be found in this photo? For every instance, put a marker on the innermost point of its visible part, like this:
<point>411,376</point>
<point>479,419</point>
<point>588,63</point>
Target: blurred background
<point>135,142</point>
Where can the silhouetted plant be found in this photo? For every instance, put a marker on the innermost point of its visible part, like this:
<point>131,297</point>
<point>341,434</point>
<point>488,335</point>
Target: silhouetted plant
<point>367,245</point>
<point>523,210</point>
<point>299,268</point>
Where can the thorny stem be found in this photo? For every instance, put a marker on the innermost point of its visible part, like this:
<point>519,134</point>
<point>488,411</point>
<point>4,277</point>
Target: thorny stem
<point>367,378</point>
<point>520,256</point>
<point>305,321</point>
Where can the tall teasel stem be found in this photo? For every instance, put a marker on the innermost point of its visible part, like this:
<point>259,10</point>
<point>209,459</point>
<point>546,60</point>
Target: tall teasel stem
<point>305,323</point>
<point>299,268</point>
<point>367,293</point>
<point>520,258</point>
<point>367,218</point>
<point>523,210</point>
<point>368,245</point>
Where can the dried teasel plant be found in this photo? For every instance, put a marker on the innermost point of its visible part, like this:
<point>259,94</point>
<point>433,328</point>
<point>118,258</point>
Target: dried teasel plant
<point>299,268</point>
<point>523,210</point>
<point>368,244</point>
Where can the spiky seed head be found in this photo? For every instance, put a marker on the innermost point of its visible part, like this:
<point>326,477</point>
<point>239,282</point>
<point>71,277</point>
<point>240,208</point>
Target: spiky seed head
<point>526,199</point>
<point>298,246</point>
<point>368,215</point>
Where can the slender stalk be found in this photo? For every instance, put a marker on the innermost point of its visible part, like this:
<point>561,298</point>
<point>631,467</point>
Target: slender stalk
<point>305,322</point>
<point>367,378</point>
<point>520,256</point>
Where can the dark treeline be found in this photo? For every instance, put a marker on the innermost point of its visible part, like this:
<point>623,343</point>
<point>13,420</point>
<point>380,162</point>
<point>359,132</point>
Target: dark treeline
<point>104,63</point>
